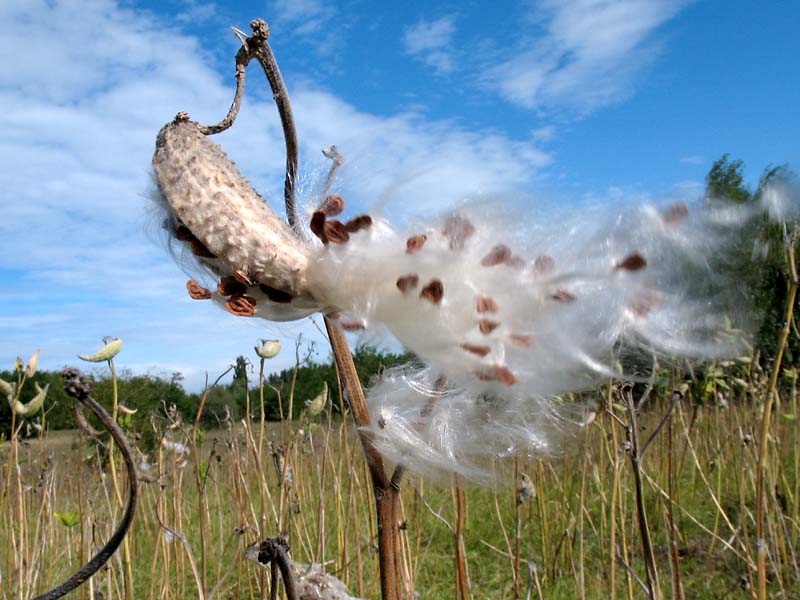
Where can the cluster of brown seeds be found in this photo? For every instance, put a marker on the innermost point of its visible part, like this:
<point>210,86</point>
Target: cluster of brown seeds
<point>332,230</point>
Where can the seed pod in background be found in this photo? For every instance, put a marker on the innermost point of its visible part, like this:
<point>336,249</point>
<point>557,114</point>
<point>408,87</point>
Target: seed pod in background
<point>268,349</point>
<point>107,352</point>
<point>33,365</point>
<point>36,403</point>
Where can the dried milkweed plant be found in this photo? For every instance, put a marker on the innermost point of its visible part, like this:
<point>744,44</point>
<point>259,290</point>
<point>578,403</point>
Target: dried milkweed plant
<point>505,315</point>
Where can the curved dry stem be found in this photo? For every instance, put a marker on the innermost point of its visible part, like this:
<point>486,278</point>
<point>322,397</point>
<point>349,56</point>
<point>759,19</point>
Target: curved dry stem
<point>78,387</point>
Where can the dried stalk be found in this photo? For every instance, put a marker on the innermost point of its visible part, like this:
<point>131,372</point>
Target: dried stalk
<point>79,388</point>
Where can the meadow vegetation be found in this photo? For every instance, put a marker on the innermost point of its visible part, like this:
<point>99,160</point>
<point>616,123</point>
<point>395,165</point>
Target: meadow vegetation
<point>259,457</point>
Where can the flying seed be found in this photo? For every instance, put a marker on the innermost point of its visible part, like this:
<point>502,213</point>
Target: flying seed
<point>475,349</point>
<point>521,339</point>
<point>317,226</point>
<point>486,304</point>
<point>241,306</point>
<point>433,292</point>
<point>407,282</point>
<point>458,229</point>
<point>358,223</point>
<point>230,286</point>
<point>353,325</point>
<point>675,213</point>
<point>486,326</point>
<point>415,243</point>
<point>333,205</point>
<point>632,262</point>
<point>644,301</point>
<point>497,255</point>
<point>197,291</point>
<point>563,296</point>
<point>276,295</point>
<point>335,232</point>
<point>544,264</point>
<point>498,373</point>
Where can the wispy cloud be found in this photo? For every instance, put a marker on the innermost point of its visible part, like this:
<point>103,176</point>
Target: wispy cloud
<point>305,16</point>
<point>581,55</point>
<point>80,119</point>
<point>430,42</point>
<point>693,160</point>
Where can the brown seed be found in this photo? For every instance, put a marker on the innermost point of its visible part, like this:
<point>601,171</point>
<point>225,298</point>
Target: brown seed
<point>632,262</point>
<point>352,325</point>
<point>486,304</point>
<point>498,373</point>
<point>407,282</point>
<point>675,213</point>
<point>563,296</point>
<point>515,262</point>
<point>497,255</point>
<point>521,339</point>
<point>358,223</point>
<point>544,264</point>
<point>241,306</point>
<point>276,295</point>
<point>317,226</point>
<point>240,276</point>
<point>433,292</point>
<point>415,243</point>
<point>475,349</point>
<point>335,232</point>
<point>333,205</point>
<point>197,291</point>
<point>486,326</point>
<point>644,301</point>
<point>458,229</point>
<point>230,286</point>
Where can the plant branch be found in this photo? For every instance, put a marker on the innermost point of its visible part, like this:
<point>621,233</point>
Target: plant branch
<point>79,388</point>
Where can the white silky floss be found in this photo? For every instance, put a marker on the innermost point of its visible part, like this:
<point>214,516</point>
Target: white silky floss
<point>505,316</point>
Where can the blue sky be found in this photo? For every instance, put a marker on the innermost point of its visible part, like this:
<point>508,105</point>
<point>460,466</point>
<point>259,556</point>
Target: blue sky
<point>558,101</point>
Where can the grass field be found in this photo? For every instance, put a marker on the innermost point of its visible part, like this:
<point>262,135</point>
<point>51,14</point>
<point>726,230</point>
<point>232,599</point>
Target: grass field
<point>576,536</point>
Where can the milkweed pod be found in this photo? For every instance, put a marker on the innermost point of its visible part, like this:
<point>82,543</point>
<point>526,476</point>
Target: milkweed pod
<point>268,348</point>
<point>127,411</point>
<point>33,364</point>
<point>24,410</point>
<point>315,406</point>
<point>7,388</point>
<point>107,352</point>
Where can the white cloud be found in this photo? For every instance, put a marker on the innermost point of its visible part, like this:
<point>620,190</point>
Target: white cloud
<point>305,16</point>
<point>430,42</point>
<point>693,160</point>
<point>581,54</point>
<point>80,117</point>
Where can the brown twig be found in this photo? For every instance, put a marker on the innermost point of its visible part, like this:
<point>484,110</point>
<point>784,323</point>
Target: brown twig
<point>79,388</point>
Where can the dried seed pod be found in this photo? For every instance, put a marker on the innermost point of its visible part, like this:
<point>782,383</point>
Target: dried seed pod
<point>433,292</point>
<point>197,291</point>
